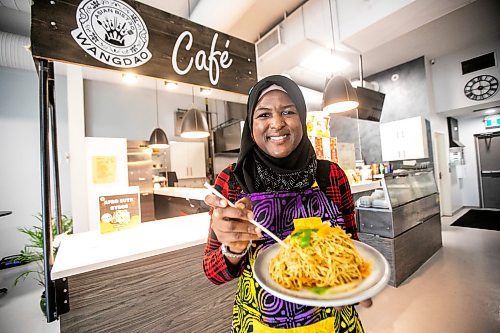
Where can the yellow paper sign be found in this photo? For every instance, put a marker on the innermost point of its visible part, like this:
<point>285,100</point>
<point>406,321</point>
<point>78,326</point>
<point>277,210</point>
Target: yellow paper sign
<point>103,169</point>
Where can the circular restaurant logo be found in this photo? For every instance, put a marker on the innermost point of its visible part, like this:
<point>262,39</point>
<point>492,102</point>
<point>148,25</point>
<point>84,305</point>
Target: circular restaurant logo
<point>112,32</point>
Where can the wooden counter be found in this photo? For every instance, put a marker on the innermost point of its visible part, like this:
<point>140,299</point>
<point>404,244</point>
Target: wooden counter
<point>146,279</point>
<point>163,293</point>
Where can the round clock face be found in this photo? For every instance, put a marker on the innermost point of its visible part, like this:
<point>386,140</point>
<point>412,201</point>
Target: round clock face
<point>481,87</point>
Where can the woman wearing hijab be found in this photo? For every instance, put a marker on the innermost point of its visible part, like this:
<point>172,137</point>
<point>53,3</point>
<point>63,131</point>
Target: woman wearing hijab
<point>274,181</point>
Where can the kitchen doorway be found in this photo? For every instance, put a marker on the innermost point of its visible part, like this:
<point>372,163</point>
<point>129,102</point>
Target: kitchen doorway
<point>488,158</point>
<point>441,173</point>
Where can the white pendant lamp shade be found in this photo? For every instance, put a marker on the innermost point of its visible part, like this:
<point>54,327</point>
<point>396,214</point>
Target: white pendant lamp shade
<point>194,125</point>
<point>339,96</point>
<point>158,139</point>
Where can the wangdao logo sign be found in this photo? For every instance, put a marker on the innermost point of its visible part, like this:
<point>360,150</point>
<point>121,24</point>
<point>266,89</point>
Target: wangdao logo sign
<point>112,32</point>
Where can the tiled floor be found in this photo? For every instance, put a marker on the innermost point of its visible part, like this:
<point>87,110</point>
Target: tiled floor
<point>456,291</point>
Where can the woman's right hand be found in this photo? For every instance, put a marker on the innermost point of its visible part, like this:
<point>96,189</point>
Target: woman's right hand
<point>231,225</point>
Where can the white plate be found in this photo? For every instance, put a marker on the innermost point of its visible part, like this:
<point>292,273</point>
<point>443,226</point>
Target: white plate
<point>369,287</point>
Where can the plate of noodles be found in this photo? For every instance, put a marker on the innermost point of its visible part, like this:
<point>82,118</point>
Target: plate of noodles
<point>321,266</point>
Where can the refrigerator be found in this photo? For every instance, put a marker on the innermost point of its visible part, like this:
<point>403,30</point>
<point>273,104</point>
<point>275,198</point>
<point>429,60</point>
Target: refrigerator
<point>140,173</point>
<point>488,157</point>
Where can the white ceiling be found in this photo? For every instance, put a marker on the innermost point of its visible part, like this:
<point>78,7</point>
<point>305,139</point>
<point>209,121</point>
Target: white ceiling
<point>462,28</point>
<point>472,24</point>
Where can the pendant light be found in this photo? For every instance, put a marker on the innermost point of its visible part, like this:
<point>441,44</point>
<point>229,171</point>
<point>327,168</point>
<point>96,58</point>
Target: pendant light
<point>194,124</point>
<point>339,95</point>
<point>158,138</point>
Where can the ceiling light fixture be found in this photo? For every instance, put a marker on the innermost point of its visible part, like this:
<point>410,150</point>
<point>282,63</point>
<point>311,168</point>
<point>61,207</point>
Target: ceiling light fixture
<point>129,78</point>
<point>205,91</point>
<point>169,85</point>
<point>194,124</point>
<point>490,111</point>
<point>158,138</point>
<point>339,95</point>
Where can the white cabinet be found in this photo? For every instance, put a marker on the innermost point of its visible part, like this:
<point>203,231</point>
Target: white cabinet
<point>404,139</point>
<point>187,159</point>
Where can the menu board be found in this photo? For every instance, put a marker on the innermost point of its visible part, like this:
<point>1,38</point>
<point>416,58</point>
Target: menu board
<point>119,212</point>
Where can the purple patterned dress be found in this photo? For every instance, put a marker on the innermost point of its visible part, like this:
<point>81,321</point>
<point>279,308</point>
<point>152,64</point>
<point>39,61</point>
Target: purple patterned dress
<point>276,211</point>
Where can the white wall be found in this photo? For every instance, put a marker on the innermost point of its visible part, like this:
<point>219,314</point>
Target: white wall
<point>20,190</point>
<point>467,127</point>
<point>450,196</point>
<point>449,82</point>
<point>448,99</point>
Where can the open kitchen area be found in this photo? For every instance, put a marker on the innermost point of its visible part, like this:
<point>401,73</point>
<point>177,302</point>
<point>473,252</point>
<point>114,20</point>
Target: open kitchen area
<point>138,141</point>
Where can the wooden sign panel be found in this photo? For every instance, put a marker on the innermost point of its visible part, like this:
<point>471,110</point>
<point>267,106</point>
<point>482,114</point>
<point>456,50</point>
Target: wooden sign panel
<point>129,36</point>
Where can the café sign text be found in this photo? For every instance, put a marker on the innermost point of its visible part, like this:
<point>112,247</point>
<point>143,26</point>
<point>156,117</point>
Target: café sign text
<point>211,63</point>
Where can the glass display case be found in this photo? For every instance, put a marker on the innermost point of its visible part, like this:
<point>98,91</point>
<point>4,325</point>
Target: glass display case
<point>402,220</point>
<point>407,186</point>
<point>405,199</point>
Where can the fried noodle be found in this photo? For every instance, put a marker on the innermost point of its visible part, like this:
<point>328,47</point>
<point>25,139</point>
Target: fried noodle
<point>330,260</point>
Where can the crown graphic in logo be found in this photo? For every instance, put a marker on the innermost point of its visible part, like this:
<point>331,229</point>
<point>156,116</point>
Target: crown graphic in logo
<point>115,31</point>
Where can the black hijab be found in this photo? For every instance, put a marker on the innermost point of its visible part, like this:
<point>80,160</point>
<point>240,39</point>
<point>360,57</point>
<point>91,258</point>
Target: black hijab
<point>293,172</point>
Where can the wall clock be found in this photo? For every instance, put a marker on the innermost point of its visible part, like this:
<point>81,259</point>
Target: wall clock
<point>481,87</point>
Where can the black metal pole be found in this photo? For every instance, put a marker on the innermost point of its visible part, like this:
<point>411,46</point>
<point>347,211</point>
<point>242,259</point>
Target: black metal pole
<point>361,71</point>
<point>211,175</point>
<point>55,153</point>
<point>50,306</point>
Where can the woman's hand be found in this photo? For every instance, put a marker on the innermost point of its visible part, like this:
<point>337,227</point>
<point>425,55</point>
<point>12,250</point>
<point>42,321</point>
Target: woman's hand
<point>231,225</point>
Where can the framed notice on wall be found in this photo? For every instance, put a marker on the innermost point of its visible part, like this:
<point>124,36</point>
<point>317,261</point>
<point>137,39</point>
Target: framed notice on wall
<point>118,212</point>
<point>103,169</point>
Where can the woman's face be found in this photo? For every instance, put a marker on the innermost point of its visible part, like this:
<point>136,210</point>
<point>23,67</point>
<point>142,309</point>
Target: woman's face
<point>277,129</point>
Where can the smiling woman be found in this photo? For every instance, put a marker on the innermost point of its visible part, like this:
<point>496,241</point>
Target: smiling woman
<point>274,181</point>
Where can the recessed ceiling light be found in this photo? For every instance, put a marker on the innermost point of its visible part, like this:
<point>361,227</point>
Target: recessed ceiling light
<point>205,91</point>
<point>129,78</point>
<point>169,85</point>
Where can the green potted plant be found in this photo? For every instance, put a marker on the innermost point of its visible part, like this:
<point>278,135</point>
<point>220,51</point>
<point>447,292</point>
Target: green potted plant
<point>33,251</point>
